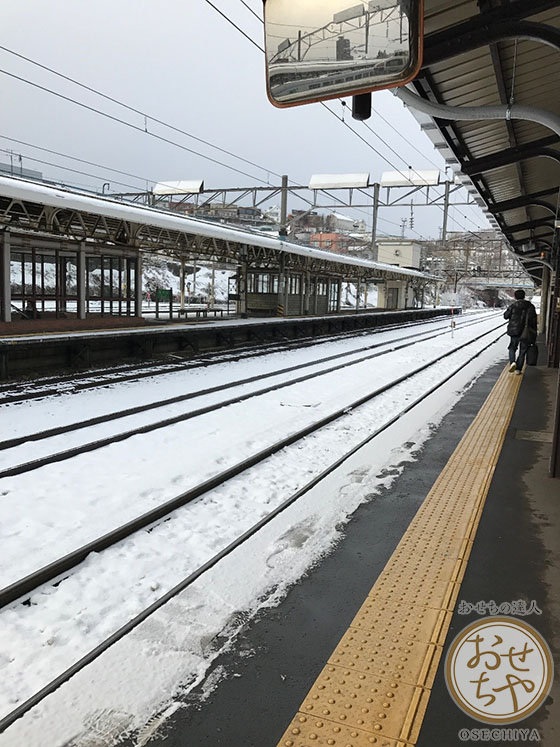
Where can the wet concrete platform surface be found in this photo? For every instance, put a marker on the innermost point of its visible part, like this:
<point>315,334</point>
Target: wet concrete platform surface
<point>266,675</point>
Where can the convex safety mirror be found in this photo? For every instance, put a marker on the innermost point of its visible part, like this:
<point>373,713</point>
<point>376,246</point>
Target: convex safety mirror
<point>324,49</point>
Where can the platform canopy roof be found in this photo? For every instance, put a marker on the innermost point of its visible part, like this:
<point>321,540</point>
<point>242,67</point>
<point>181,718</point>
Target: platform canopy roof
<point>412,179</point>
<point>32,207</point>
<point>190,187</point>
<point>337,181</point>
<point>493,52</point>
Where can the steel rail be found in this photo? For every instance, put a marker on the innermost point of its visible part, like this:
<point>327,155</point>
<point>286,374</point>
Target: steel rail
<point>58,567</point>
<point>212,358</point>
<point>61,456</point>
<point>59,430</point>
<point>48,689</point>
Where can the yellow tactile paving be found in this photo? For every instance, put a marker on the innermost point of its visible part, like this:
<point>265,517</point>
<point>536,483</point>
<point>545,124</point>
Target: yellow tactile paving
<point>376,684</point>
<point>371,703</point>
<point>406,622</point>
<point>400,660</point>
<point>322,733</point>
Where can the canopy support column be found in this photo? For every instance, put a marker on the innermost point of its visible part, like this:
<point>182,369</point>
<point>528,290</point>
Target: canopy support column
<point>6,280</point>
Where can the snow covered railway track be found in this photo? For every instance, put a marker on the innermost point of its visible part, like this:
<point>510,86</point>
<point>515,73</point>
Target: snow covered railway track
<point>116,375</point>
<point>48,573</point>
<point>77,382</point>
<point>122,631</point>
<point>389,346</point>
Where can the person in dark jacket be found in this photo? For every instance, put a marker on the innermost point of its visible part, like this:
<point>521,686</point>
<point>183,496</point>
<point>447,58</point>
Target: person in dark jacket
<point>522,329</point>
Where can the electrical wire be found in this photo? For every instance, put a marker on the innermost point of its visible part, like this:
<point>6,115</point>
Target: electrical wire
<point>154,119</point>
<point>416,150</point>
<point>253,42</point>
<point>128,124</point>
<point>75,158</point>
<point>402,137</point>
<point>137,111</point>
<point>146,116</point>
<point>369,145</point>
<point>66,168</point>
<point>417,174</point>
<point>117,171</point>
<point>341,120</point>
<point>251,10</point>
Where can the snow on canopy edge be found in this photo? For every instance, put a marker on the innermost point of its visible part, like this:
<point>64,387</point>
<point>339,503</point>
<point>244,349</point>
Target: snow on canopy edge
<point>20,189</point>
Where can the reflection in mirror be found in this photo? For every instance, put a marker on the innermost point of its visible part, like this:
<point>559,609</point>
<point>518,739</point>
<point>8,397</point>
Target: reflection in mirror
<point>318,49</point>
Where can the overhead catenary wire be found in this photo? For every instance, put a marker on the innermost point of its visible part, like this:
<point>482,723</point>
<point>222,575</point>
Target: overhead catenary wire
<point>124,173</point>
<point>137,111</point>
<point>253,42</point>
<point>128,124</point>
<point>251,10</point>
<point>75,158</point>
<point>322,103</point>
<point>369,145</point>
<point>133,109</point>
<point>413,147</point>
<point>402,137</point>
<point>66,168</point>
<point>154,119</point>
<point>261,49</point>
<point>344,123</point>
<point>415,171</point>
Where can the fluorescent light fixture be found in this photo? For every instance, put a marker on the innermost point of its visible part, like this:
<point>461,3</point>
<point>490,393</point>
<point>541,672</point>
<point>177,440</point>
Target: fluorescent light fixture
<point>338,181</point>
<point>410,177</point>
<point>192,187</point>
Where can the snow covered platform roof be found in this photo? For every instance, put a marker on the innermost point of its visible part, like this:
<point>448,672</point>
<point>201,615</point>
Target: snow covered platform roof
<point>336,181</point>
<point>32,206</point>
<point>192,187</point>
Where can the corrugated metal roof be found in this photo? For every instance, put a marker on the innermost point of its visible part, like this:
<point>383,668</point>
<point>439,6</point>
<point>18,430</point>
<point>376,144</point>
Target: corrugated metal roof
<point>463,74</point>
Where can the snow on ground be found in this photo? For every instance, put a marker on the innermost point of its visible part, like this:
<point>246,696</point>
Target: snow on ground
<point>166,654</point>
<point>69,503</point>
<point>69,407</point>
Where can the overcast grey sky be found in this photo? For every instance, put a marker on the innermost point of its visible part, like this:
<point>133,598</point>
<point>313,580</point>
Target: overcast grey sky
<point>183,63</point>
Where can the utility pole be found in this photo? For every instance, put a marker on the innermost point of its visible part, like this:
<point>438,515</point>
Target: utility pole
<point>242,282</point>
<point>194,276</point>
<point>374,251</point>
<point>283,233</point>
<point>445,211</point>
<point>182,285</point>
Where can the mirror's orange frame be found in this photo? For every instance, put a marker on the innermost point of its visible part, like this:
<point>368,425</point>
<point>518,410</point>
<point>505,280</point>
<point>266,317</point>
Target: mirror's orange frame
<point>352,91</point>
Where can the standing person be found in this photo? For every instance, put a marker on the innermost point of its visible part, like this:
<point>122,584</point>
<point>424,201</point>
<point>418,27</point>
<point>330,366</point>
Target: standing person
<point>522,329</point>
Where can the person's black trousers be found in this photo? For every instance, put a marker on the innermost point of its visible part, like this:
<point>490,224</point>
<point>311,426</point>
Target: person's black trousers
<point>512,347</point>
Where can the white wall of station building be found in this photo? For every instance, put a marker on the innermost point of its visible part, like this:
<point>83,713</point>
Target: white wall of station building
<point>397,294</point>
<point>399,252</point>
